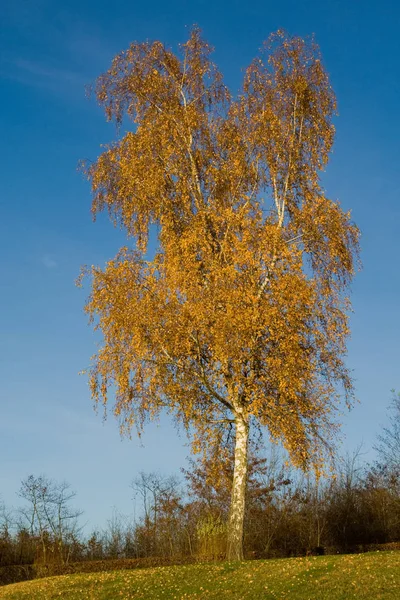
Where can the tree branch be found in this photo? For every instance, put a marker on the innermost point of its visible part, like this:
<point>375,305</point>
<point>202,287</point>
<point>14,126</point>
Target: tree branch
<point>204,379</point>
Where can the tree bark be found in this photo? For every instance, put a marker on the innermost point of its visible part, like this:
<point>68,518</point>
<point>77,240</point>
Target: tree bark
<point>236,517</point>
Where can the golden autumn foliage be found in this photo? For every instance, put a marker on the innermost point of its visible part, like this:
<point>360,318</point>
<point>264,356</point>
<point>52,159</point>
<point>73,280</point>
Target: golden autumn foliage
<point>240,313</point>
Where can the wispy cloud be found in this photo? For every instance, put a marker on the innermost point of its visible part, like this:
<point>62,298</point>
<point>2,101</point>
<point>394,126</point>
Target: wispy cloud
<point>49,262</point>
<point>58,74</point>
<point>90,49</point>
<point>60,53</point>
<point>33,73</point>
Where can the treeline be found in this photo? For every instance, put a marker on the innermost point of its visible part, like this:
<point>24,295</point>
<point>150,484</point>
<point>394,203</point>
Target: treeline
<point>288,513</point>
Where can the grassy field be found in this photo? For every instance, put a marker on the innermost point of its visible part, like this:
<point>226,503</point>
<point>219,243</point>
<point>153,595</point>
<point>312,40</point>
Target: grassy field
<point>369,576</point>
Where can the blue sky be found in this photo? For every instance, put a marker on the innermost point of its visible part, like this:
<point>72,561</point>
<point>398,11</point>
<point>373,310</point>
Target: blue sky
<point>49,50</point>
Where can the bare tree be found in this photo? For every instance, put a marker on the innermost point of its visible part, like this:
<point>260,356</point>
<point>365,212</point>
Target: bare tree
<point>49,515</point>
<point>32,490</point>
<point>388,446</point>
<point>7,520</point>
<point>61,517</point>
<point>6,534</point>
<point>114,535</point>
<point>159,495</point>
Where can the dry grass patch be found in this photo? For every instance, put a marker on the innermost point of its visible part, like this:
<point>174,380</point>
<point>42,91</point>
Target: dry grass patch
<point>373,576</point>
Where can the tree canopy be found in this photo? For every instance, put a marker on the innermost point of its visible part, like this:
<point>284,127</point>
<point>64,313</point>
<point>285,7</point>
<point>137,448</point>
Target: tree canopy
<point>238,313</point>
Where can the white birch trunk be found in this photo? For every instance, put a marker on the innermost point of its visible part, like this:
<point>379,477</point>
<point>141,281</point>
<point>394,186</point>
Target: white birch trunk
<point>236,517</point>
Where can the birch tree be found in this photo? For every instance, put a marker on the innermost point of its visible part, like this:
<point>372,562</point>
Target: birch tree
<point>236,314</point>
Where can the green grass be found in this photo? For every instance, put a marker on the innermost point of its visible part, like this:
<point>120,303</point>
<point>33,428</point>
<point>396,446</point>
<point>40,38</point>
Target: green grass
<point>371,576</point>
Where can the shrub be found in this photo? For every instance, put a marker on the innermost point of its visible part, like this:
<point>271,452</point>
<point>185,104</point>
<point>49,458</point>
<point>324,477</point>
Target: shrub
<point>16,573</point>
